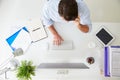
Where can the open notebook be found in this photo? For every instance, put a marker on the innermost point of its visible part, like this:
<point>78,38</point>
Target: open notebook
<point>36,30</point>
<point>26,35</point>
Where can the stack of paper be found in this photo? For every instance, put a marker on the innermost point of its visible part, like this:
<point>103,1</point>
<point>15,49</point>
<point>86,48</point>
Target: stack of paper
<point>112,61</point>
<point>23,40</point>
<point>115,61</point>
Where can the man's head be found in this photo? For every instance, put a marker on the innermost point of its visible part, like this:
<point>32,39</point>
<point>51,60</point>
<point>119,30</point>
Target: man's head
<point>68,9</point>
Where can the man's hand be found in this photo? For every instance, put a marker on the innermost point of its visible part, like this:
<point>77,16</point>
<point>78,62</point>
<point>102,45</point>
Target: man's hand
<point>57,39</point>
<point>83,28</point>
<point>77,21</point>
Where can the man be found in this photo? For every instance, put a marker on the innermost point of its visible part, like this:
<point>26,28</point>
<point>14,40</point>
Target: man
<point>66,10</point>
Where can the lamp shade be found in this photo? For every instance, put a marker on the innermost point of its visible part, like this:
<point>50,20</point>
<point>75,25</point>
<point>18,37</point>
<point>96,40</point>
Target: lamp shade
<point>18,52</point>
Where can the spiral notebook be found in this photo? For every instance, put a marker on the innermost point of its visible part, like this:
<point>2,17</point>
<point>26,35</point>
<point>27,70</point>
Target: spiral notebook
<point>37,30</point>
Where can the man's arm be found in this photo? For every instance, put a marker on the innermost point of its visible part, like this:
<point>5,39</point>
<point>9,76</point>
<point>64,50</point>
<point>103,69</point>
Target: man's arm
<point>83,28</point>
<point>57,38</point>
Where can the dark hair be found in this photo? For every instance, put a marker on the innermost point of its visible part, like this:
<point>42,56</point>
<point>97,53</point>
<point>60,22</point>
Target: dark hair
<point>68,9</point>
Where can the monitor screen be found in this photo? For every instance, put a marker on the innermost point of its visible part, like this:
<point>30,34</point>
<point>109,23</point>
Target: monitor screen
<point>63,65</point>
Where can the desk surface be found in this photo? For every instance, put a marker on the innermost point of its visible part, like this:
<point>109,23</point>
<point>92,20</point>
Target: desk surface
<point>39,53</point>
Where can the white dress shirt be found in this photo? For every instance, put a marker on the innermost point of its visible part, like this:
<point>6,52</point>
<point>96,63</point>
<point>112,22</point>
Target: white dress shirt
<point>51,15</point>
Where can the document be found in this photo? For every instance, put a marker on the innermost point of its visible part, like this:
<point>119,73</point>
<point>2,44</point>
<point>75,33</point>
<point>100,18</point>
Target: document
<point>23,40</point>
<point>115,61</point>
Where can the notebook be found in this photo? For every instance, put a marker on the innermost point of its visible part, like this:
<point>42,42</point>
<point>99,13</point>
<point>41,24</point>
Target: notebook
<point>37,30</point>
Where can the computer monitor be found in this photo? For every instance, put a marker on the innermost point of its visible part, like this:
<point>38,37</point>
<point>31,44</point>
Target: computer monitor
<point>63,66</point>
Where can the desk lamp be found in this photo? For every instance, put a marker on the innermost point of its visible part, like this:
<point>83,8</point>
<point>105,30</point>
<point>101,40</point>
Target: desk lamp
<point>14,63</point>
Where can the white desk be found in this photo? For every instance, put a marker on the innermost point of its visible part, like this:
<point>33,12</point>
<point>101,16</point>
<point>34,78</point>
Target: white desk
<point>39,54</point>
<point>16,12</point>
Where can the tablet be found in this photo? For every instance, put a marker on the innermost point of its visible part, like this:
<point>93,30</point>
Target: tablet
<point>104,36</point>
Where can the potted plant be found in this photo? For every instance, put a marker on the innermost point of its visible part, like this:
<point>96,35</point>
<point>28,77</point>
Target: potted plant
<point>25,70</point>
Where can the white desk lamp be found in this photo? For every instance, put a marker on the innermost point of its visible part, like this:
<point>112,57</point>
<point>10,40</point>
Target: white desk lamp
<point>14,63</point>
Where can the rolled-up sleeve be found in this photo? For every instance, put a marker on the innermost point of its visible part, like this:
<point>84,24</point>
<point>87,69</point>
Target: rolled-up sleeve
<point>47,21</point>
<point>85,15</point>
<point>85,20</point>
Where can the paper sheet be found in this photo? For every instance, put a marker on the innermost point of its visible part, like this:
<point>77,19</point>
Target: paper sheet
<point>115,61</point>
<point>23,40</point>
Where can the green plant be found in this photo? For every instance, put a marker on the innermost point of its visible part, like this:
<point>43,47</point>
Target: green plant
<point>25,70</point>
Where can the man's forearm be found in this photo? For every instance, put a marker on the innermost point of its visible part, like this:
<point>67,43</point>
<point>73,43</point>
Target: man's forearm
<point>57,39</point>
<point>53,30</point>
<point>83,28</point>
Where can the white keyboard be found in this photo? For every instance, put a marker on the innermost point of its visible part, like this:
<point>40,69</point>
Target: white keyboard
<point>66,45</point>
